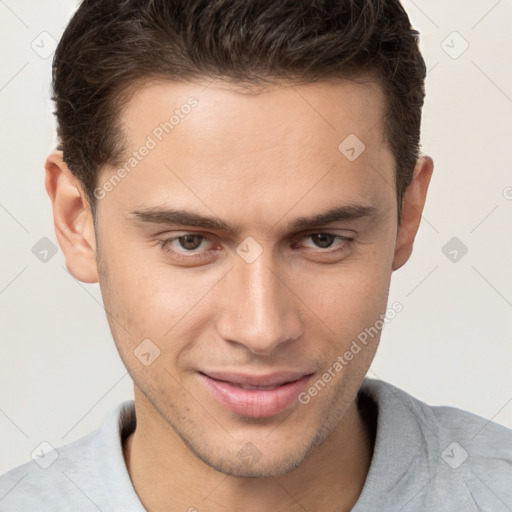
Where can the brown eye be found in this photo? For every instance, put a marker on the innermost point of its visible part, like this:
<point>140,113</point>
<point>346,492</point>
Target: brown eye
<point>326,240</point>
<point>323,240</point>
<point>190,242</point>
<point>188,246</point>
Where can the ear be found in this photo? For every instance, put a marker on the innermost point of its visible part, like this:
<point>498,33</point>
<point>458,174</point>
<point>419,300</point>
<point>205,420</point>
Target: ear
<point>412,207</point>
<point>73,221</point>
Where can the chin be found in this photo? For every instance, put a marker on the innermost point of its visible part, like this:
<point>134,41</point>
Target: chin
<point>246,468</point>
<point>251,462</point>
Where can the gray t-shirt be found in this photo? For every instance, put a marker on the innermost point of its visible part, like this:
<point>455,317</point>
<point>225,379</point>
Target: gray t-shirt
<point>425,458</point>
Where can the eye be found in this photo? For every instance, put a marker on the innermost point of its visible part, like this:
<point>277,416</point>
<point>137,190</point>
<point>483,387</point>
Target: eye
<point>194,246</point>
<point>189,242</point>
<point>324,240</point>
<point>185,246</point>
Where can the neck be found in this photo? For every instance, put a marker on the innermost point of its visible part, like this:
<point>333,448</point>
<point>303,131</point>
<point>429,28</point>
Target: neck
<point>167,476</point>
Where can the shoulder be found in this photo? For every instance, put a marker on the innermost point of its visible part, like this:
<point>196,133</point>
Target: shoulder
<point>46,481</point>
<point>80,475</point>
<point>446,423</point>
<point>460,458</point>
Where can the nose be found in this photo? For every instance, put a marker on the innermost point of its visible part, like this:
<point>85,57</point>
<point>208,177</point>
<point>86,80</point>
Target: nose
<point>257,308</point>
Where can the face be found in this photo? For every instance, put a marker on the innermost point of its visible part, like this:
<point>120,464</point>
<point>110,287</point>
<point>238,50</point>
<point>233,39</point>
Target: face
<point>229,297</point>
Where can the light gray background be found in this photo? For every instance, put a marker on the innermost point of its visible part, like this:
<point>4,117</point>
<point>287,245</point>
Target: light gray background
<point>60,373</point>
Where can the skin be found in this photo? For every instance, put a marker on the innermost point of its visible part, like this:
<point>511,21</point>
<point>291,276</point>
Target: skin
<point>258,161</point>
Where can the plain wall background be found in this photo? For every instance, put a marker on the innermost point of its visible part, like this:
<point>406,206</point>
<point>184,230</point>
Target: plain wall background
<point>60,373</point>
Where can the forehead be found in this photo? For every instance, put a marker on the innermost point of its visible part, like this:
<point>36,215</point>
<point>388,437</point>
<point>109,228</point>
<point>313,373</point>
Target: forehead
<point>213,143</point>
<point>337,106</point>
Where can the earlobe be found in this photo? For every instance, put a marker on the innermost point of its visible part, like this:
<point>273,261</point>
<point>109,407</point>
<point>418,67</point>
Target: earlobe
<point>412,207</point>
<point>73,220</point>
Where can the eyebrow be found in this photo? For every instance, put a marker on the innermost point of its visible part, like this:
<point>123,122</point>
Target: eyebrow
<point>179,216</point>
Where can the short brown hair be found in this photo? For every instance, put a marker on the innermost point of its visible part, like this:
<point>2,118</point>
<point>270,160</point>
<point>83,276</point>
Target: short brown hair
<point>110,45</point>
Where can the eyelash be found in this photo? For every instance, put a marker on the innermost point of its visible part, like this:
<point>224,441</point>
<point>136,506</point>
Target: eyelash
<point>165,243</point>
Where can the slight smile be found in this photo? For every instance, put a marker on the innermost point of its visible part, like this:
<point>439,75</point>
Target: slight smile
<point>255,396</point>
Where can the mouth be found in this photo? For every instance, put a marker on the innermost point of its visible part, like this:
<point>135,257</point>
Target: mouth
<point>255,396</point>
<point>243,386</point>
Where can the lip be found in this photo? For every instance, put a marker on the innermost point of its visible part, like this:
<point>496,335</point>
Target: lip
<point>255,403</point>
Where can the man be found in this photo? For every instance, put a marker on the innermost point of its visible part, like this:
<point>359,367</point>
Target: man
<point>242,178</point>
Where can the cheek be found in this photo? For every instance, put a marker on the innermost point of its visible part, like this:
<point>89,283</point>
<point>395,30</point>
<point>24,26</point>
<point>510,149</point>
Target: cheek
<point>348,299</point>
<point>142,286</point>
<point>165,304</point>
